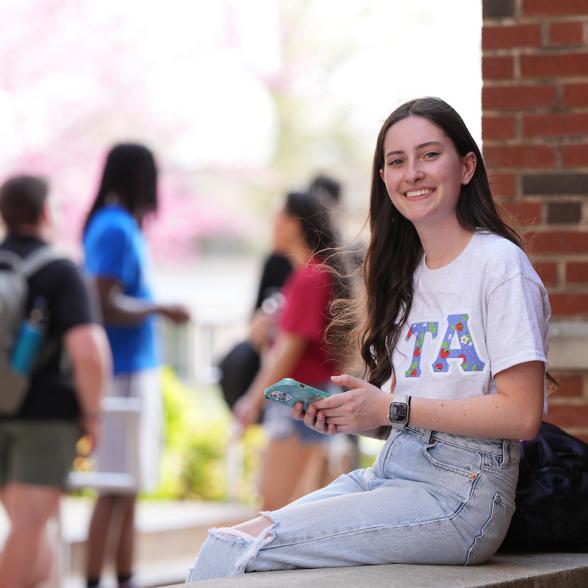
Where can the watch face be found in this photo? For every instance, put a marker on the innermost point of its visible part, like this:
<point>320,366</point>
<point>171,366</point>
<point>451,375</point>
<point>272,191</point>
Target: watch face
<point>398,412</point>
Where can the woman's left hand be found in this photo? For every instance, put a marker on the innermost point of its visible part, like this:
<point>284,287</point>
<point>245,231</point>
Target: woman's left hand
<point>247,410</point>
<point>361,408</point>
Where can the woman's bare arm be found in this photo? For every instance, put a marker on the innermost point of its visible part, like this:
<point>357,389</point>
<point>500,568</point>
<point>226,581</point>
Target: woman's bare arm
<point>514,412</point>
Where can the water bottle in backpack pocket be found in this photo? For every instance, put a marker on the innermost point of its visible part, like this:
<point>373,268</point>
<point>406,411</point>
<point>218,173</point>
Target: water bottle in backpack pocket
<point>29,339</point>
<point>21,337</point>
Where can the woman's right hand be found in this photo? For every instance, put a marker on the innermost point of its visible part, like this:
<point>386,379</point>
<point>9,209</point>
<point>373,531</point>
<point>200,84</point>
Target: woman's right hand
<point>361,408</point>
<point>314,419</point>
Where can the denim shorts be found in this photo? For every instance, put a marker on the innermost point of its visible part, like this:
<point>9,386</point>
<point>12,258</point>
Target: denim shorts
<point>279,424</point>
<point>430,498</point>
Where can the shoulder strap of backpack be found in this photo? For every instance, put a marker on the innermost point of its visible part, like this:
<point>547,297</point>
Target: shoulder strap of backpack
<point>10,258</point>
<point>31,264</point>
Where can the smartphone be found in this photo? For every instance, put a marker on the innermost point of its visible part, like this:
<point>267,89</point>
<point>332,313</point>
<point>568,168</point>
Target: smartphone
<point>289,391</point>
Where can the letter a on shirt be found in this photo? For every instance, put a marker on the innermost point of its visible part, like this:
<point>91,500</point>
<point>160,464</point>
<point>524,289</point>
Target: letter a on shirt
<point>458,344</point>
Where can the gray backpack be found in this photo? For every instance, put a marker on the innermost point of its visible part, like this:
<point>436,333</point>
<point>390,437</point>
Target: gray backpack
<point>14,275</point>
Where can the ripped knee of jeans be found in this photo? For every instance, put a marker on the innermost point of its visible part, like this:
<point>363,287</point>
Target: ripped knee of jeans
<point>250,544</point>
<point>232,533</point>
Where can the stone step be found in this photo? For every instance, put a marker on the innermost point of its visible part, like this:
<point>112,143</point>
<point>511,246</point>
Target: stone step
<point>537,570</point>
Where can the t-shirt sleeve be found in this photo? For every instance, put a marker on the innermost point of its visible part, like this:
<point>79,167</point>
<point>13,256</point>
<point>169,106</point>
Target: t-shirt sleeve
<point>72,302</point>
<point>307,297</point>
<point>518,314</point>
<point>108,254</point>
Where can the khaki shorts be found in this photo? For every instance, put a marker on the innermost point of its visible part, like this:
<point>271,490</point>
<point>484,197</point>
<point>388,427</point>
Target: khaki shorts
<point>37,452</point>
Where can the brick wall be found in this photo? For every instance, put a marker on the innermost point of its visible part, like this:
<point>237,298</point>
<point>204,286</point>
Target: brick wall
<point>535,139</point>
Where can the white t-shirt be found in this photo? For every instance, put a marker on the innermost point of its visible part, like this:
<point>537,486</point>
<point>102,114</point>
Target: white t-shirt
<point>482,313</point>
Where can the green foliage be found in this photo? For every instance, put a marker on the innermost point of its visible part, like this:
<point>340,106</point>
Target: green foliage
<point>197,441</point>
<point>249,453</point>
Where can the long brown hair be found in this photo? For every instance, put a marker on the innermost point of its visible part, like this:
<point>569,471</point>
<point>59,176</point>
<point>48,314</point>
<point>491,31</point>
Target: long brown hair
<point>395,249</point>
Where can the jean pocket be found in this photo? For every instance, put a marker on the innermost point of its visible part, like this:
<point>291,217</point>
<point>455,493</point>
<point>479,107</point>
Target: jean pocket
<point>452,458</point>
<point>493,532</point>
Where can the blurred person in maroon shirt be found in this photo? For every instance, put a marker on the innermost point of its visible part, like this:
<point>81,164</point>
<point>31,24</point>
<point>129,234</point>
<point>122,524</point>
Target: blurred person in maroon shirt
<point>304,232</point>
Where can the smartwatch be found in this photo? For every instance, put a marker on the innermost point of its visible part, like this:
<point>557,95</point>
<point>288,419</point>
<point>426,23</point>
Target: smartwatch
<point>399,411</point>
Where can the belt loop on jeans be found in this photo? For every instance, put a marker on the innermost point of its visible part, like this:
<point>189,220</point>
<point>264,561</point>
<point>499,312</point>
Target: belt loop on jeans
<point>427,435</point>
<point>505,453</point>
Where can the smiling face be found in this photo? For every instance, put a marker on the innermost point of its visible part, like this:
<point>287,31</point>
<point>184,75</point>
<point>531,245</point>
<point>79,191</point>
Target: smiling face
<point>423,172</point>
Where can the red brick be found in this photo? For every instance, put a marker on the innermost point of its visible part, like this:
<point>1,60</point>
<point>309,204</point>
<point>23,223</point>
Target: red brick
<point>566,33</point>
<point>498,9</point>
<point>518,97</point>
<point>568,385</point>
<point>554,184</point>
<point>575,155</point>
<point>576,95</point>
<point>503,185</point>
<point>505,37</point>
<point>569,304</point>
<point>495,128</point>
<point>564,212</point>
<point>520,156</point>
<point>582,436</point>
<point>577,272</point>
<point>554,7</point>
<point>497,67</point>
<point>547,271</point>
<point>568,415</point>
<point>559,242</point>
<point>526,213</point>
<point>555,124</point>
<point>554,65</point>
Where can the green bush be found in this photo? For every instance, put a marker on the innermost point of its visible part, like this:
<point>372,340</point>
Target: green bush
<point>197,437</point>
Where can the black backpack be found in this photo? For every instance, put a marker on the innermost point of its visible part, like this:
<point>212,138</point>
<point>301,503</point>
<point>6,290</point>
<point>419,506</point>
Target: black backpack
<point>238,369</point>
<point>552,494</point>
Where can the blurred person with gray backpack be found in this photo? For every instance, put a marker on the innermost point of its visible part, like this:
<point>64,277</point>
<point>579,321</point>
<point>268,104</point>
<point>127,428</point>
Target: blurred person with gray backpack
<point>54,366</point>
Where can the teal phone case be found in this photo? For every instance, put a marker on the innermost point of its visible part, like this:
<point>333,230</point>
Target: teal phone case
<point>289,391</point>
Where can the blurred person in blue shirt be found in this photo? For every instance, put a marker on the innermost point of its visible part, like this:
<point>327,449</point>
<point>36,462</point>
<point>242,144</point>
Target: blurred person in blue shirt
<point>116,257</point>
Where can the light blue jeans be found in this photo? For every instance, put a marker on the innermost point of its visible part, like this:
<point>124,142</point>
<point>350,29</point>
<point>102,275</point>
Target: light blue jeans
<point>430,498</point>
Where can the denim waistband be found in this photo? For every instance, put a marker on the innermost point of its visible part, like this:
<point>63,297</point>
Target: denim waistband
<point>508,449</point>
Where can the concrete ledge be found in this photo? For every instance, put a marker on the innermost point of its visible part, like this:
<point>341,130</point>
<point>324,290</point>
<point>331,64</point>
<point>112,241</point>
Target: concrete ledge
<point>544,570</point>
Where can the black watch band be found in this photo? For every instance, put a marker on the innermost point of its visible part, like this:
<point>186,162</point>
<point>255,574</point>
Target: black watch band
<point>399,411</point>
